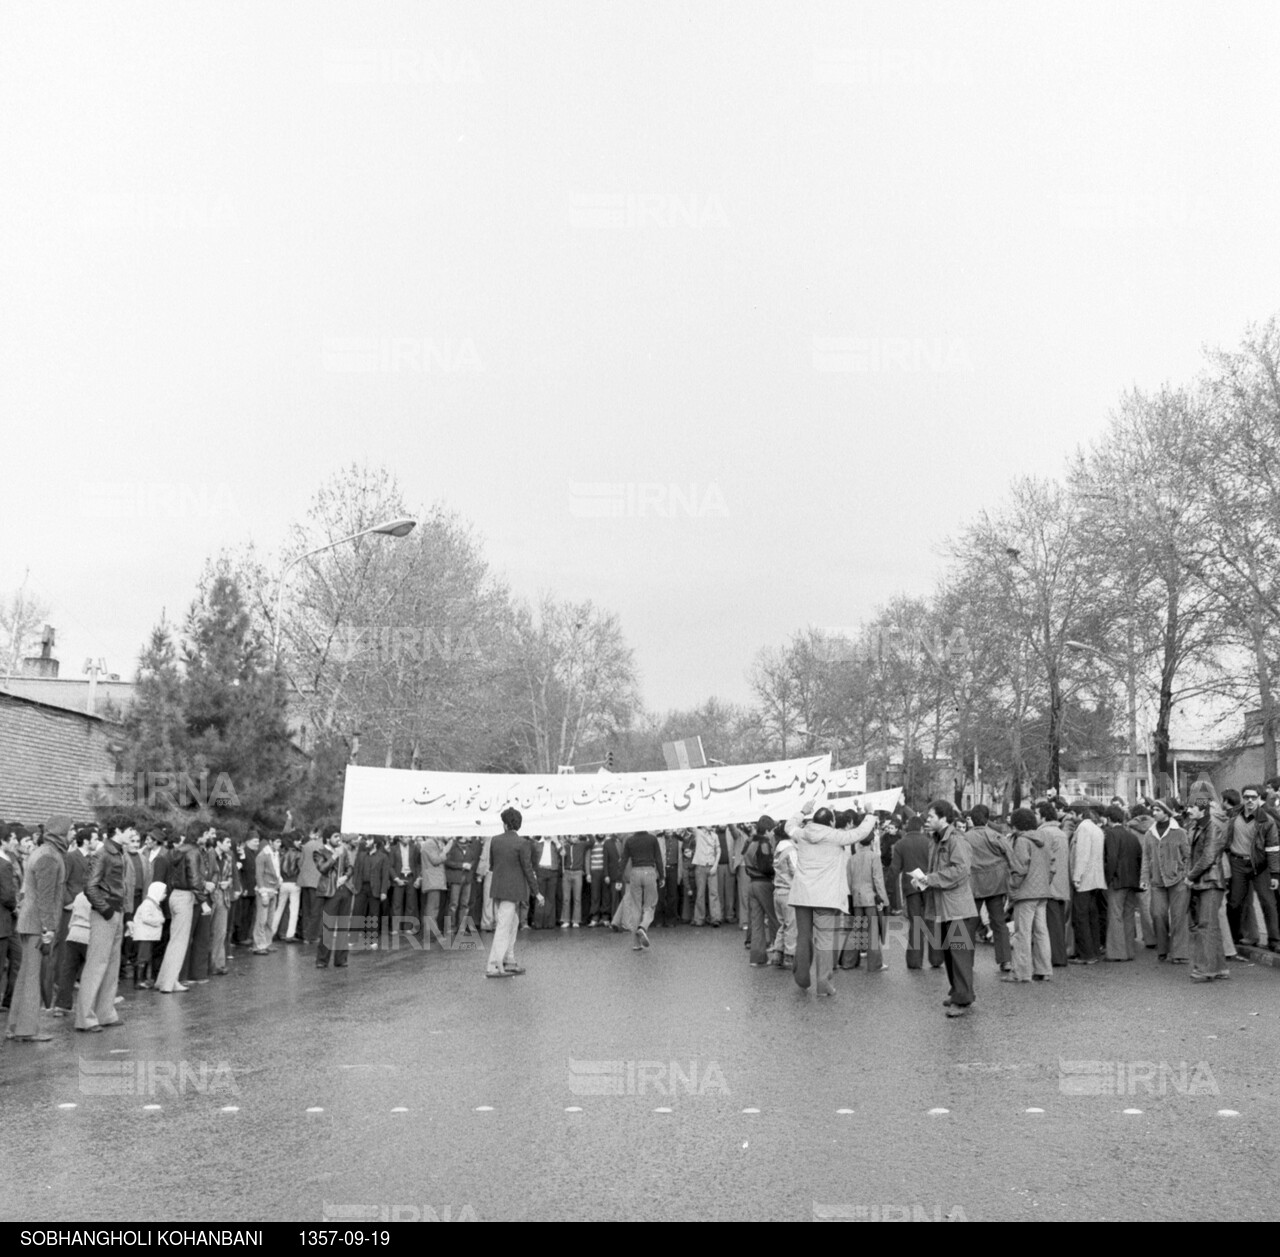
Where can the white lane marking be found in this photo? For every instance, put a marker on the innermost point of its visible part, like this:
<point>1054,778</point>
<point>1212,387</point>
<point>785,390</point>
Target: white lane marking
<point>744,1143</point>
<point>751,1110</point>
<point>573,1108</point>
<point>230,1108</point>
<point>938,1112</point>
<point>315,1110</point>
<point>120,1051</point>
<point>400,1110</point>
<point>1133,1112</point>
<point>1228,1113</point>
<point>843,1112</point>
<point>1033,1110</point>
<point>484,1108</point>
<point>152,1108</point>
<point>66,1106</point>
<point>662,1110</point>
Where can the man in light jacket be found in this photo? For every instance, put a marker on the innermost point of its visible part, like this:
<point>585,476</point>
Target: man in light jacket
<point>1058,909</point>
<point>950,903</point>
<point>1089,886</point>
<point>109,889</point>
<point>1030,881</point>
<point>1166,856</point>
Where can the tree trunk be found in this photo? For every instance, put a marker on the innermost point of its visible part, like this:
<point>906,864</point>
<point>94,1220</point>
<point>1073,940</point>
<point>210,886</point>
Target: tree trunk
<point>1265,699</point>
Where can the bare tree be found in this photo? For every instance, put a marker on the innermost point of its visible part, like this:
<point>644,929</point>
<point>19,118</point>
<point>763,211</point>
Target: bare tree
<point>21,615</point>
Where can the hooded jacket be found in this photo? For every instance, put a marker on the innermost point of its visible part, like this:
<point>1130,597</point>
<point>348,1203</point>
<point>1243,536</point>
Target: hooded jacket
<point>1032,861</point>
<point>43,882</point>
<point>948,895</point>
<point>989,862</point>
<point>148,921</point>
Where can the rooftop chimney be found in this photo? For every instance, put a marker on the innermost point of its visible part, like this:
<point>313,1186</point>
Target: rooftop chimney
<point>43,664</point>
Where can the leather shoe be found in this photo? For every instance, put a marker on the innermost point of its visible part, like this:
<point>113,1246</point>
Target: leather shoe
<point>89,1029</point>
<point>111,1025</point>
<point>495,973</point>
<point>514,971</point>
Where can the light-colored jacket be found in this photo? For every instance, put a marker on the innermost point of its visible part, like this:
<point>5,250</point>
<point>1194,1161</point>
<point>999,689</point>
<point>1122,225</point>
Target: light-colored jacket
<point>1088,871</point>
<point>1165,860</point>
<point>866,876</point>
<point>267,869</point>
<point>1060,885</point>
<point>431,852</point>
<point>78,930</point>
<point>784,866</point>
<point>1031,862</point>
<point>148,921</point>
<point>820,880</point>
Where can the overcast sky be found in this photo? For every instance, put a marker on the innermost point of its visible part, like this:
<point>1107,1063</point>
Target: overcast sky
<point>722,315</point>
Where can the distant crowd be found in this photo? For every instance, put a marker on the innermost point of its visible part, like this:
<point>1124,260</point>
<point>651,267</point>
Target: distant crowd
<point>84,908</point>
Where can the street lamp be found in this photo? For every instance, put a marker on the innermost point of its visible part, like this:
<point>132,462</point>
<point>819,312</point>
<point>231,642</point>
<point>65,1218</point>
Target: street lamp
<point>402,526</point>
<point>1131,687</point>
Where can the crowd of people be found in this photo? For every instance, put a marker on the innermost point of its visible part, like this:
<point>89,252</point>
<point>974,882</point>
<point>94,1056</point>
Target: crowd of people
<point>83,909</point>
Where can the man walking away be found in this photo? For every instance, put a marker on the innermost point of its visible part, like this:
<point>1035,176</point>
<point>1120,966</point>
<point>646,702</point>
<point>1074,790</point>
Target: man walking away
<point>757,860</point>
<point>642,852</point>
<point>514,884</point>
<point>912,851</point>
<point>989,878</point>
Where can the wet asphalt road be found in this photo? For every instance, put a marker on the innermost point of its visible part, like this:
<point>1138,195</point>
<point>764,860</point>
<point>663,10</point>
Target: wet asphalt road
<point>486,1072</point>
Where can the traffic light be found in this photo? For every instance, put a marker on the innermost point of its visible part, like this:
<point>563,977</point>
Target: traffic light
<point>608,760</point>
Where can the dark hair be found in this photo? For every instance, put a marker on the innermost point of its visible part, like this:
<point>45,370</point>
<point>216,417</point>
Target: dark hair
<point>193,829</point>
<point>823,816</point>
<point>844,820</point>
<point>511,818</point>
<point>1115,815</point>
<point>1023,818</point>
<point>1139,809</point>
<point>944,809</point>
<point>980,814</point>
<point>1086,811</point>
<point>1047,811</point>
<point>1258,790</point>
<point>1231,798</point>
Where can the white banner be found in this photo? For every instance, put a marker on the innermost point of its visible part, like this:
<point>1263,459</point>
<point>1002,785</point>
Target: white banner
<point>876,801</point>
<point>847,780</point>
<point>427,804</point>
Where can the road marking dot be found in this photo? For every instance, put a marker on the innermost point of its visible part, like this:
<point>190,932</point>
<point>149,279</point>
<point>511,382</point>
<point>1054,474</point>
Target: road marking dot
<point>484,1108</point>
<point>120,1051</point>
<point>399,1110</point>
<point>1228,1113</point>
<point>66,1106</point>
<point>151,1108</point>
<point>751,1110</point>
<point>662,1110</point>
<point>843,1112</point>
<point>573,1108</point>
<point>315,1110</point>
<point>230,1108</point>
<point>1133,1112</point>
<point>1033,1110</point>
<point>938,1112</point>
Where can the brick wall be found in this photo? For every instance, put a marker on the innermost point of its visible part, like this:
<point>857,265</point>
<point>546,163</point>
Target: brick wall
<point>47,759</point>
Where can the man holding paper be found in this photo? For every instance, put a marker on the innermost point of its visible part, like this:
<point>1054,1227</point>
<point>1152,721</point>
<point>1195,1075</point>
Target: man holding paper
<point>949,902</point>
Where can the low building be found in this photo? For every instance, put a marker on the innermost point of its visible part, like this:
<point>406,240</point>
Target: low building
<point>50,757</point>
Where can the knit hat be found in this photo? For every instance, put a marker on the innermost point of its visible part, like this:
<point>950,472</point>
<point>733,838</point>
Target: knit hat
<point>1168,806</point>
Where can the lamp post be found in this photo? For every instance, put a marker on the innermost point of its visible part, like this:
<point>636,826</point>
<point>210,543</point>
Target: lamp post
<point>402,526</point>
<point>1131,693</point>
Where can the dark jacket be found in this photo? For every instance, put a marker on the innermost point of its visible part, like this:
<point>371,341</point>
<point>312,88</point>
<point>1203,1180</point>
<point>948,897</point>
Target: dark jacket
<point>461,860</point>
<point>247,869</point>
<point>1266,840</point>
<point>757,858</point>
<point>511,862</point>
<point>1208,841</point>
<point>186,872</point>
<point>10,880</point>
<point>613,858</point>
<point>911,851</point>
<point>1121,858</point>
<point>373,867</point>
<point>539,846</point>
<point>109,881</point>
<point>78,870</point>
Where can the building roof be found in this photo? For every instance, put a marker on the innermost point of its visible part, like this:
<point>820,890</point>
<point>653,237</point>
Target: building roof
<point>59,708</point>
<point>71,693</point>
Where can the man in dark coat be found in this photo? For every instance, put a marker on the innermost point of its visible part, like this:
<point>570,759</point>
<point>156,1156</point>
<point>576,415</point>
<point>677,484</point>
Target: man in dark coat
<point>912,851</point>
<point>513,885</point>
<point>1122,863</point>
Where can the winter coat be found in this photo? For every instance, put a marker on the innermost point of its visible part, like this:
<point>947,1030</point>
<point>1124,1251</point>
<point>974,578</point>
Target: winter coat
<point>1165,860</point>
<point>78,930</point>
<point>1208,865</point>
<point>1031,865</point>
<point>989,862</point>
<point>148,921</point>
<point>948,894</point>
<point>820,879</point>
